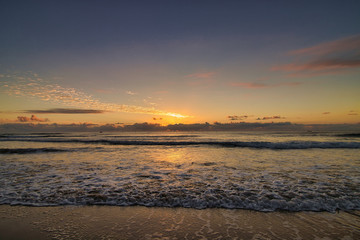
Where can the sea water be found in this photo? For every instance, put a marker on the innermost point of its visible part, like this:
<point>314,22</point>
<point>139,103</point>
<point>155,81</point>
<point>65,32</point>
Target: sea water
<point>256,170</point>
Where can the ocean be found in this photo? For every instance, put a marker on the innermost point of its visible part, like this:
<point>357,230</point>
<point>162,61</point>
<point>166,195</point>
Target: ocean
<point>263,171</point>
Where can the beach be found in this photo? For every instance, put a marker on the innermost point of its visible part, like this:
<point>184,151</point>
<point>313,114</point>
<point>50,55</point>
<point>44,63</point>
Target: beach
<point>113,222</point>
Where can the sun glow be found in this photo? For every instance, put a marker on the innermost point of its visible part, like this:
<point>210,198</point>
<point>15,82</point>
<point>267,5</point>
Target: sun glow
<point>35,87</point>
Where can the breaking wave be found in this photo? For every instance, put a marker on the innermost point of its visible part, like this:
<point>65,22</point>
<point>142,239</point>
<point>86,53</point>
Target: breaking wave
<point>235,144</point>
<point>31,150</point>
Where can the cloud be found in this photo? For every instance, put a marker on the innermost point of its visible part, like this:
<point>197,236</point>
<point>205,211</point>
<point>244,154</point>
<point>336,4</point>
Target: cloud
<point>320,65</point>
<point>131,93</point>
<point>201,82</point>
<point>201,75</point>
<point>323,59</point>
<point>249,85</point>
<point>315,74</point>
<point>272,117</point>
<point>149,101</point>
<point>352,114</point>
<point>325,113</point>
<point>263,85</point>
<point>65,111</point>
<point>87,127</point>
<point>351,43</point>
<point>32,86</point>
<point>201,79</point>
<point>33,118</point>
<point>235,117</point>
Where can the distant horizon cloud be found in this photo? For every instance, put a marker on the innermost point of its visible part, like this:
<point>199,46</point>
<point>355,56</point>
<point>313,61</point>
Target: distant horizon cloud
<point>65,111</point>
<point>353,113</point>
<point>33,118</point>
<point>31,126</point>
<point>325,113</point>
<point>270,117</point>
<point>236,117</point>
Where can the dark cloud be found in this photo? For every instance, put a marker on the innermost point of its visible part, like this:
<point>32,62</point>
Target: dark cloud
<point>235,117</point>
<point>65,111</point>
<point>272,117</point>
<point>243,126</point>
<point>33,118</point>
<point>326,113</point>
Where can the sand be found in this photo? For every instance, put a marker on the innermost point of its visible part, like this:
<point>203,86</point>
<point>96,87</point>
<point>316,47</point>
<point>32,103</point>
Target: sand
<point>112,222</point>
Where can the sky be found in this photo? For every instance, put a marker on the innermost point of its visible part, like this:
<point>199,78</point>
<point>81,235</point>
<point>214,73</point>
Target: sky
<point>168,62</point>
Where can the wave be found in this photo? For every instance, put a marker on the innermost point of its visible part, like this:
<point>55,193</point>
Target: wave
<point>31,150</point>
<point>153,136</point>
<point>352,135</point>
<point>235,144</point>
<point>264,201</point>
<point>9,136</point>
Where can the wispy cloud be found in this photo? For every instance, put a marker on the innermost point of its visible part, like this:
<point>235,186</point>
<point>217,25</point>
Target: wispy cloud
<point>65,111</point>
<point>204,79</point>
<point>201,82</point>
<point>324,59</point>
<point>353,113</point>
<point>320,65</point>
<point>131,93</point>
<point>351,43</point>
<point>263,85</point>
<point>325,113</point>
<point>33,118</point>
<point>201,75</point>
<point>149,101</point>
<point>33,86</point>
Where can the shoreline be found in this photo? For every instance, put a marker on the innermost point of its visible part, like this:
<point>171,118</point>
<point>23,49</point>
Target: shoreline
<point>137,222</point>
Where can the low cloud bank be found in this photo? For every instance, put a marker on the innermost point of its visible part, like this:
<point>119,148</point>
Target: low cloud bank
<point>66,111</point>
<point>242,126</point>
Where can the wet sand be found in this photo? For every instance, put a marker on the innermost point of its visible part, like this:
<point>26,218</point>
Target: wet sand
<point>112,222</point>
